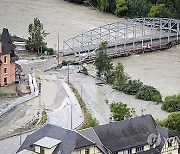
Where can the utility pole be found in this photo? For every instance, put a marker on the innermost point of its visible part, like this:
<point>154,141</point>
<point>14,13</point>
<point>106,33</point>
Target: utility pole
<point>58,49</point>
<point>68,72</point>
<point>71,116</point>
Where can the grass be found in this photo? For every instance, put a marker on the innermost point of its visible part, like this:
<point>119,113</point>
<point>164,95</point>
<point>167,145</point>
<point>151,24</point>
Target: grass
<point>43,118</point>
<point>88,120</point>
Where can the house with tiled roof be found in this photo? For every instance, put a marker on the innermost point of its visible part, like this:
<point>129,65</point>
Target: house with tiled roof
<point>7,59</point>
<point>140,135</point>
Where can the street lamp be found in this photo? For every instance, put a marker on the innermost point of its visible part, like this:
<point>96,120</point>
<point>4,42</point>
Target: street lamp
<point>71,120</point>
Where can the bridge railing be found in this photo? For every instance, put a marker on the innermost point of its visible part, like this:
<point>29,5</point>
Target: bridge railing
<point>118,33</point>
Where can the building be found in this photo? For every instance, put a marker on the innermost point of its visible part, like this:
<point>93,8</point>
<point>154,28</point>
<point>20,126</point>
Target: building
<point>20,43</point>
<point>140,135</point>
<point>7,59</point>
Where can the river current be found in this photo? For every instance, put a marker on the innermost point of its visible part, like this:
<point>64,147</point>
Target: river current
<point>159,69</point>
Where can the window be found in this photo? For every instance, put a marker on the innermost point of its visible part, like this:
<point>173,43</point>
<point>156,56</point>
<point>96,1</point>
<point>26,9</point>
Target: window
<point>5,70</point>
<point>87,151</point>
<point>141,148</point>
<point>129,151</point>
<point>169,144</point>
<point>5,59</point>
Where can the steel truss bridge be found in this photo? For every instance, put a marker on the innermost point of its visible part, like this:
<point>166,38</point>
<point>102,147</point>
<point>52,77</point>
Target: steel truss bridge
<point>127,36</point>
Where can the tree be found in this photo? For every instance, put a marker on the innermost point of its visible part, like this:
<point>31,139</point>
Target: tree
<point>139,8</point>
<point>149,93</point>
<point>102,63</point>
<point>119,110</point>
<point>36,40</point>
<point>132,87</point>
<point>117,77</point>
<point>103,5</point>
<point>172,122</point>
<point>172,103</point>
<point>156,10</point>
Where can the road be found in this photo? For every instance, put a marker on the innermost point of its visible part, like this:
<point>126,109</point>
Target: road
<point>11,145</point>
<point>69,114</point>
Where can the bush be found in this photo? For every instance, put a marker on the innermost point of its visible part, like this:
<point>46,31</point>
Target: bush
<point>172,103</point>
<point>172,122</point>
<point>70,62</point>
<point>119,110</point>
<point>50,51</point>
<point>132,87</point>
<point>84,71</point>
<point>149,93</point>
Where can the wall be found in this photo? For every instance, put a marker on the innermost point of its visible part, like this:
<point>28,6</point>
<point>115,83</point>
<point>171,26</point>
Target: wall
<point>92,150</point>
<point>173,148</point>
<point>37,149</point>
<point>10,69</point>
<point>49,151</point>
<point>146,147</point>
<point>46,150</point>
<point>5,65</point>
<point>12,72</point>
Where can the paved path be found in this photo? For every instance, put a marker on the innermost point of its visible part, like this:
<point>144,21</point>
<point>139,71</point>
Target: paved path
<point>69,114</point>
<point>11,145</point>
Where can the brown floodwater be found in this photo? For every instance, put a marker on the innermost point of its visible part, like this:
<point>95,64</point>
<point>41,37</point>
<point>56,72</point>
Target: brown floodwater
<point>159,69</point>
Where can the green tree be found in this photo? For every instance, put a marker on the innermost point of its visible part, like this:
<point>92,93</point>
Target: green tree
<point>156,10</point>
<point>172,122</point>
<point>36,40</point>
<point>139,8</point>
<point>132,87</point>
<point>122,7</point>
<point>149,93</point>
<point>103,5</point>
<point>119,110</point>
<point>172,103</point>
<point>102,63</point>
<point>119,76</point>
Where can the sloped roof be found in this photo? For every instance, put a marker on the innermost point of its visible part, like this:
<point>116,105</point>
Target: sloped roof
<point>126,134</point>
<point>47,142</point>
<point>165,133</point>
<point>5,36</point>
<point>70,140</point>
<point>91,134</point>
<point>7,46</point>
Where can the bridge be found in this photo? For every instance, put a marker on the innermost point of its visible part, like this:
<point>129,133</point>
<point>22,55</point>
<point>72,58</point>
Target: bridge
<point>127,36</point>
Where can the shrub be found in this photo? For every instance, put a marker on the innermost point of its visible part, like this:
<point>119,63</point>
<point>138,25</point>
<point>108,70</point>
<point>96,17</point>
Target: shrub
<point>119,110</point>
<point>132,87</point>
<point>149,93</point>
<point>172,122</point>
<point>84,71</point>
<point>172,103</point>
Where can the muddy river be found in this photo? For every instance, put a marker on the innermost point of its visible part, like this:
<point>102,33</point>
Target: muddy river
<point>159,69</point>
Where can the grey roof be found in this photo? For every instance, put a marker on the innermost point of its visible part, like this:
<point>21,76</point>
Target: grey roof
<point>70,140</point>
<point>47,142</point>
<point>7,46</point>
<point>17,39</point>
<point>165,133</point>
<point>112,137</point>
<point>126,134</point>
<point>91,134</point>
<point>26,152</point>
